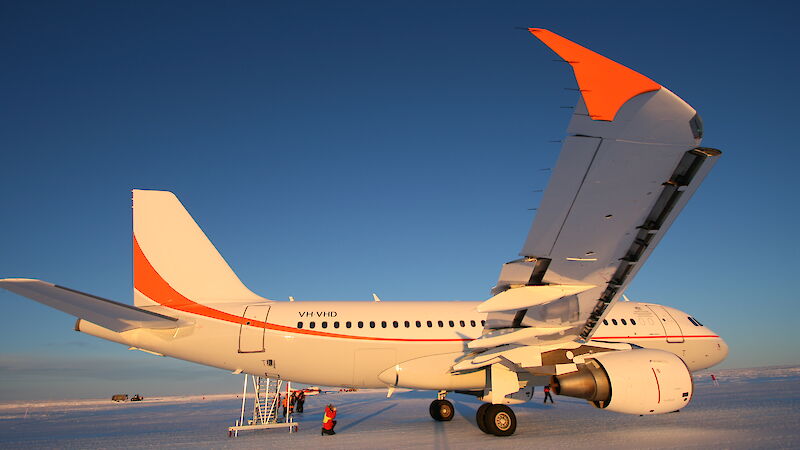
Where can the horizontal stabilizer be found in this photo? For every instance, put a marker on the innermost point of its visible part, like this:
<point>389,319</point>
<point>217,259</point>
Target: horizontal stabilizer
<point>109,314</point>
<point>527,296</point>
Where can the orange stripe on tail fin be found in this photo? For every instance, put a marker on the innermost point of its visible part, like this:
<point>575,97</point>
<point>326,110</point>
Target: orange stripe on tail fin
<point>180,252</point>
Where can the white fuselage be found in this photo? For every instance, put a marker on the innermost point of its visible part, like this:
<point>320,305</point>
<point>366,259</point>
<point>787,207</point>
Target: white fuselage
<point>352,343</point>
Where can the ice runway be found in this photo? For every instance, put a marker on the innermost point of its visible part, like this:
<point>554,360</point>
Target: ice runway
<point>752,408</point>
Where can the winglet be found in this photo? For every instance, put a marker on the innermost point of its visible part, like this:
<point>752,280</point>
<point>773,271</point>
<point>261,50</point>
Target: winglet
<point>606,85</point>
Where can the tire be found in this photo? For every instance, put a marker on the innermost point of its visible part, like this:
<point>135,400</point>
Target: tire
<point>442,410</point>
<point>446,411</point>
<point>480,417</point>
<point>434,410</point>
<point>500,420</point>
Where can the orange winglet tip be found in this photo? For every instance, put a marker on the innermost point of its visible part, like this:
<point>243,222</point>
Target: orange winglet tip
<point>605,85</point>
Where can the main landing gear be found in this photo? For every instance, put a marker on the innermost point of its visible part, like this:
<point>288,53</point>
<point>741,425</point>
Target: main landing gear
<point>498,420</point>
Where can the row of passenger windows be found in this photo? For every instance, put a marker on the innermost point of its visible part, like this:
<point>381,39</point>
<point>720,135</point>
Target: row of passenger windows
<point>694,321</point>
<point>396,324</point>
<point>614,321</point>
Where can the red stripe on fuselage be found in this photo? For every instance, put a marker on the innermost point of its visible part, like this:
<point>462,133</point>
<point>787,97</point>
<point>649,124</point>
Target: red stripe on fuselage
<point>147,281</point>
<point>651,337</point>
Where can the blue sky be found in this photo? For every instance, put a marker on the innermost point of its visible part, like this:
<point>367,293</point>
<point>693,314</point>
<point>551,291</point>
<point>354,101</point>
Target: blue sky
<point>332,150</point>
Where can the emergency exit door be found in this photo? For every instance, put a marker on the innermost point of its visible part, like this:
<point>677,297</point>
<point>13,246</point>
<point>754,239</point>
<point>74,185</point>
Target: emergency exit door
<point>672,330</point>
<point>252,328</point>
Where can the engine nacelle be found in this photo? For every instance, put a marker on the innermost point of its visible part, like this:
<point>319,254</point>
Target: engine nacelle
<point>640,381</point>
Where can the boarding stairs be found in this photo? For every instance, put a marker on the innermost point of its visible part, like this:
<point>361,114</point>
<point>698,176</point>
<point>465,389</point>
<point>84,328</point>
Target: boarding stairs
<point>266,404</point>
<point>268,394</point>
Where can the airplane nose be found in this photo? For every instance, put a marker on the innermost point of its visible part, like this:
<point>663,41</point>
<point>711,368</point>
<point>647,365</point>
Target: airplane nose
<point>723,346</point>
<point>721,351</point>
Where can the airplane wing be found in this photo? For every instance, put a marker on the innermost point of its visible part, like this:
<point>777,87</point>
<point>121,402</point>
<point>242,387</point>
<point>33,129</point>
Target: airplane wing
<point>630,162</point>
<point>109,314</point>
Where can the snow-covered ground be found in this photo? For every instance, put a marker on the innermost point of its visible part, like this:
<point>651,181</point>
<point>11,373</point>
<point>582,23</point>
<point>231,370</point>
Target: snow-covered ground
<point>752,408</point>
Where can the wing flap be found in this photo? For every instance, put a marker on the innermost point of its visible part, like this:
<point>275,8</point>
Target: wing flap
<point>109,314</point>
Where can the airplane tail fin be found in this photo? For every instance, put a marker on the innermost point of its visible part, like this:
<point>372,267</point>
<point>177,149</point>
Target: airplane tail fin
<point>174,263</point>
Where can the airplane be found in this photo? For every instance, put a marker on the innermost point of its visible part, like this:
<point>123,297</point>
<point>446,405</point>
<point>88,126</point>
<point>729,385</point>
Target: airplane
<point>629,164</point>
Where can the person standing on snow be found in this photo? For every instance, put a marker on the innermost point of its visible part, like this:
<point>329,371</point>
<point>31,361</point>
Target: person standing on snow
<point>547,394</point>
<point>327,420</point>
<point>301,399</point>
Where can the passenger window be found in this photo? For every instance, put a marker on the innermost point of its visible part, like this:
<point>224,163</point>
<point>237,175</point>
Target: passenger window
<point>605,322</point>
<point>461,322</point>
<point>633,322</point>
<point>336,324</point>
<point>451,324</point>
<point>624,322</point>
<point>372,324</point>
<point>472,323</point>
<point>299,324</point>
<point>348,324</point>
<point>395,324</point>
<point>441,324</point>
<point>483,323</point>
<point>430,324</point>
<point>324,324</point>
<point>383,324</point>
<point>311,324</point>
<point>614,321</point>
<point>360,324</point>
<point>419,324</point>
<point>407,324</point>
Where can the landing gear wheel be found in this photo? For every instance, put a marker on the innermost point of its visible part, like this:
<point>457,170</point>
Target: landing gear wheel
<point>480,417</point>
<point>500,420</point>
<point>442,410</point>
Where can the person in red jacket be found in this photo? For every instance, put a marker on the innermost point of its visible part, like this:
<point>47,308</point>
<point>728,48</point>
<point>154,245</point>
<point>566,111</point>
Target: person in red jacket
<point>547,394</point>
<point>327,420</point>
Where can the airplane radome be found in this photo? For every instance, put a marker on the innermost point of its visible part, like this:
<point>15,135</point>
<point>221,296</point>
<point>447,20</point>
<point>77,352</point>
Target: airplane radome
<point>630,162</point>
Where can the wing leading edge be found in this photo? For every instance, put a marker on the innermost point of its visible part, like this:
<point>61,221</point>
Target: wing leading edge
<point>631,161</point>
<point>109,314</point>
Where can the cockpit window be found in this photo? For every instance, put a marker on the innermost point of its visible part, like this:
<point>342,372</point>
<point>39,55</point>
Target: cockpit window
<point>614,321</point>
<point>695,322</point>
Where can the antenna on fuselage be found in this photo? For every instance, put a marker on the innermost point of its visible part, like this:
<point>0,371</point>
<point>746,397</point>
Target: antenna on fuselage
<point>291,299</point>
<point>625,297</point>
<point>375,297</point>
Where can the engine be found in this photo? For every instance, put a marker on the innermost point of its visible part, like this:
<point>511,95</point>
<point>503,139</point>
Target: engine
<point>640,381</point>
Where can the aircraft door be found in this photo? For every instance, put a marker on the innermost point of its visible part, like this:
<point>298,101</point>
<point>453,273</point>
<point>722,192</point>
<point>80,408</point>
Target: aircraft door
<point>671,328</point>
<point>251,331</point>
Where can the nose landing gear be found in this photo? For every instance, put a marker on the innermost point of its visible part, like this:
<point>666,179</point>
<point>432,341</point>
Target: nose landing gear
<point>498,420</point>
